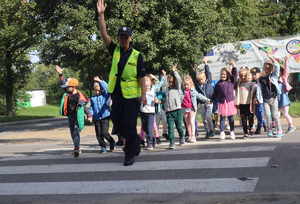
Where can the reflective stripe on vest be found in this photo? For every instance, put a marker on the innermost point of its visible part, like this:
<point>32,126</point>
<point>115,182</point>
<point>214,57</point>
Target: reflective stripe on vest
<point>130,86</point>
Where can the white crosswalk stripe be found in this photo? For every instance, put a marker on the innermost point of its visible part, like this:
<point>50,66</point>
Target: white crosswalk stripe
<point>130,186</point>
<point>253,148</point>
<point>133,185</point>
<point>139,166</point>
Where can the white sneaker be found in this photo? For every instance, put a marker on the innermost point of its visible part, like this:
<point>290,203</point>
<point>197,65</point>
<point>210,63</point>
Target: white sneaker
<point>232,135</point>
<point>150,148</point>
<point>227,127</point>
<point>222,135</point>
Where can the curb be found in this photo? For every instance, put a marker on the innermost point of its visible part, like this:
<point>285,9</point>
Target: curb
<point>26,122</point>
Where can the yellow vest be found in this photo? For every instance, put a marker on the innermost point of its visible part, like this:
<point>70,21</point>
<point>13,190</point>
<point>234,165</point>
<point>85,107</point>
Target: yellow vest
<point>130,86</point>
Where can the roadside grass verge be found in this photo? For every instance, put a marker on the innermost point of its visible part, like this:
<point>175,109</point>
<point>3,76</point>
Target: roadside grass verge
<point>48,111</point>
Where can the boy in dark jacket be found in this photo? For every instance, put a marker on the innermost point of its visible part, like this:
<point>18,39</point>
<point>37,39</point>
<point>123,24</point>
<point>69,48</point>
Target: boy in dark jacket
<point>72,105</point>
<point>100,113</point>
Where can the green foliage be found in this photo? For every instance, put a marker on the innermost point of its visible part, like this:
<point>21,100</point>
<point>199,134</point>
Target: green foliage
<point>295,109</point>
<point>65,32</point>
<point>46,78</point>
<point>20,31</point>
<point>166,32</point>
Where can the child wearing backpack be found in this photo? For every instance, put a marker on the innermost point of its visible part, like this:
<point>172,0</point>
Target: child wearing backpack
<point>73,105</point>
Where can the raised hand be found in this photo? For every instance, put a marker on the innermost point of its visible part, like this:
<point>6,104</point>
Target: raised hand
<point>174,68</point>
<point>195,67</point>
<point>58,69</point>
<point>205,60</point>
<point>286,58</point>
<point>232,63</point>
<point>101,6</point>
<point>96,78</point>
<point>164,73</point>
<point>271,57</point>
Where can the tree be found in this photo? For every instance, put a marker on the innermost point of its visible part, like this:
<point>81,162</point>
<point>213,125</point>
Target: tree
<point>166,32</point>
<point>20,31</point>
<point>46,78</point>
<point>290,18</point>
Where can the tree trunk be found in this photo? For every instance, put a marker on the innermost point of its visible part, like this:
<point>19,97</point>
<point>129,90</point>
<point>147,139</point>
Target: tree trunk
<point>9,87</point>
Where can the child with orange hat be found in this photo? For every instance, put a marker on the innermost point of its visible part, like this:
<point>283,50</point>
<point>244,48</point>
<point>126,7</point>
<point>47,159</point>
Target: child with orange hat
<point>73,105</point>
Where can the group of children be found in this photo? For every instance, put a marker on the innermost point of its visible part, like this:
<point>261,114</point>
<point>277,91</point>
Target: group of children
<point>174,101</point>
<point>246,92</point>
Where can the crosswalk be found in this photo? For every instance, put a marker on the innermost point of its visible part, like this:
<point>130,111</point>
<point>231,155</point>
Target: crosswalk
<point>199,170</point>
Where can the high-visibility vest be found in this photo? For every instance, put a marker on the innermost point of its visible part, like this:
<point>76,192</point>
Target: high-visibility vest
<point>130,86</point>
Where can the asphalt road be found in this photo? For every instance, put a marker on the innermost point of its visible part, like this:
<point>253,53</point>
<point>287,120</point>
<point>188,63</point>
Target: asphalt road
<point>257,170</point>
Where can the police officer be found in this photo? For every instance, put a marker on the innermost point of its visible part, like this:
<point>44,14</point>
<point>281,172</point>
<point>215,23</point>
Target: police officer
<point>125,85</point>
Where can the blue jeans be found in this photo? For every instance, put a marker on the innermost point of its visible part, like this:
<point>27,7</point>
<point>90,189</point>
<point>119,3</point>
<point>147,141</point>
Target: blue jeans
<point>222,123</point>
<point>74,130</point>
<point>147,125</point>
<point>259,113</point>
<point>272,114</point>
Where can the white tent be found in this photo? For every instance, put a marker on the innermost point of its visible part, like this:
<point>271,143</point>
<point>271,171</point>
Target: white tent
<point>252,53</point>
<point>38,98</point>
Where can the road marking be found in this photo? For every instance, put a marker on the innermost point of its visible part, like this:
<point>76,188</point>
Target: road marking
<point>217,150</point>
<point>162,152</point>
<point>130,186</point>
<point>138,166</point>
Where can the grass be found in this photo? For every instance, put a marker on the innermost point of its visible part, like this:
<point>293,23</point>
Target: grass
<point>48,111</point>
<point>51,111</point>
<point>295,109</point>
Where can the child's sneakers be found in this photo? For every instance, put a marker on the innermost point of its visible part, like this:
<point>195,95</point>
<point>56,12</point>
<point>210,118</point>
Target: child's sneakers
<point>192,140</point>
<point>232,135</point>
<point>270,133</point>
<point>181,141</point>
<point>150,147</point>
<point>290,129</point>
<point>76,152</point>
<point>112,147</point>
<point>165,135</point>
<point>258,131</point>
<point>103,150</point>
<point>222,135</point>
<point>279,134</point>
<point>171,146</point>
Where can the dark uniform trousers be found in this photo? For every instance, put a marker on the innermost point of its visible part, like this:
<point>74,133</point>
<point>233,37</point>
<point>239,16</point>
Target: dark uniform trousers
<point>124,116</point>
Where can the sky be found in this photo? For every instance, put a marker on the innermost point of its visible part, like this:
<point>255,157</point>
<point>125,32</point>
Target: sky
<point>34,57</point>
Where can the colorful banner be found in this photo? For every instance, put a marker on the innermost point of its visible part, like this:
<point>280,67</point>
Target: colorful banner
<point>252,53</point>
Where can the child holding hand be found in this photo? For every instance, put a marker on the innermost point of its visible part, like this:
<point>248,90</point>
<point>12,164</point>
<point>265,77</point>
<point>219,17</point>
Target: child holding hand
<point>99,113</point>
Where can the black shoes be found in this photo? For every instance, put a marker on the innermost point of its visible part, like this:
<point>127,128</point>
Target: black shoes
<point>129,161</point>
<point>165,136</point>
<point>257,132</point>
<point>120,143</point>
<point>76,152</point>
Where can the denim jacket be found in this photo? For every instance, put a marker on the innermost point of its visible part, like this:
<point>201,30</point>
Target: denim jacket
<point>195,95</point>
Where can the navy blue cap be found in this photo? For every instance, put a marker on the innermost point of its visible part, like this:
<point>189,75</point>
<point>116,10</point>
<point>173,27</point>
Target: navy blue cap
<point>125,31</point>
<point>63,84</point>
